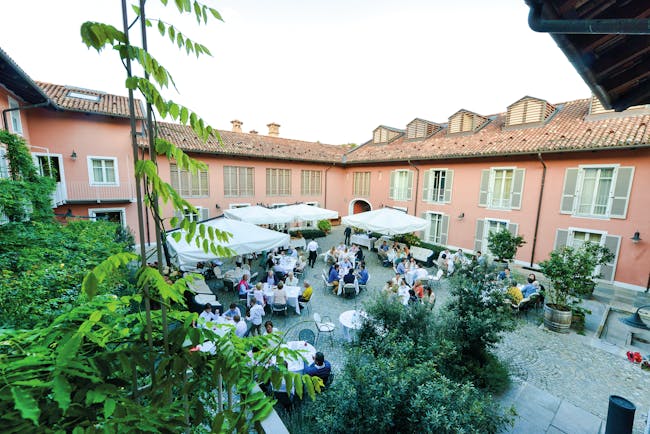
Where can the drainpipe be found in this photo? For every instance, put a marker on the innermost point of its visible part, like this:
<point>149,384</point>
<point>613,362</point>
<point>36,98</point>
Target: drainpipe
<point>618,26</point>
<point>325,189</point>
<point>25,107</point>
<point>539,206</point>
<point>417,187</point>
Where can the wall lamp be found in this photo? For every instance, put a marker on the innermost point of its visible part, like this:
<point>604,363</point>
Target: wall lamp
<point>461,216</point>
<point>636,237</point>
<point>635,320</point>
<point>217,206</point>
<point>73,155</point>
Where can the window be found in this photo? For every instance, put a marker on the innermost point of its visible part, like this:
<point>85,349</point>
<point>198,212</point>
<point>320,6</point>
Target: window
<point>501,188</point>
<point>238,181</point>
<point>361,184</point>
<point>4,163</point>
<point>310,184</point>
<point>84,96</point>
<point>401,184</point>
<point>437,185</point>
<point>438,228</point>
<point>199,214</point>
<point>528,111</point>
<point>48,165</point>
<point>189,184</point>
<point>278,182</point>
<point>576,237</point>
<point>419,129</point>
<point>465,122</point>
<point>103,170</point>
<point>16,122</point>
<point>597,191</point>
<point>485,226</point>
<point>114,215</point>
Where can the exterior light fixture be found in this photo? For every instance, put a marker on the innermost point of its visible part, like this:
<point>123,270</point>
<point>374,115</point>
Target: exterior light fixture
<point>461,216</point>
<point>73,155</point>
<point>635,320</point>
<point>636,237</point>
<point>217,206</point>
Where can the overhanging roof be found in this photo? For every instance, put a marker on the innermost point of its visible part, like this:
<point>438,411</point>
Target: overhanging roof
<point>608,42</point>
<point>18,82</point>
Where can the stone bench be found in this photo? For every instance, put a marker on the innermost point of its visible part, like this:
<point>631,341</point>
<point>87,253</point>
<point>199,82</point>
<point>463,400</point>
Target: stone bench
<point>422,255</point>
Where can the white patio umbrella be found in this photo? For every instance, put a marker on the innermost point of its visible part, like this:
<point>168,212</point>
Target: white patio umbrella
<point>257,215</point>
<point>386,221</point>
<point>246,238</point>
<point>304,212</point>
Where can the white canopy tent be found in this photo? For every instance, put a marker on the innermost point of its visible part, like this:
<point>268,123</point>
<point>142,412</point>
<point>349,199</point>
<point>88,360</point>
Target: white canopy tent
<point>257,215</point>
<point>304,212</point>
<point>246,238</point>
<point>386,221</point>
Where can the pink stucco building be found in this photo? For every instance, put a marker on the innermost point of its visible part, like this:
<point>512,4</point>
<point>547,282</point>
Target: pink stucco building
<point>556,173</point>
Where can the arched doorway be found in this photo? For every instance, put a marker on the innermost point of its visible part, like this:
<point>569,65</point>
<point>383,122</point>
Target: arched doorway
<point>359,205</point>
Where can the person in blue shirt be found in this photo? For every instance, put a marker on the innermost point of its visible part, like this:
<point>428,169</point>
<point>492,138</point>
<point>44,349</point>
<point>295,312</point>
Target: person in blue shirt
<point>234,310</point>
<point>321,368</point>
<point>401,267</point>
<point>333,278</point>
<point>363,275</point>
<point>530,288</point>
<point>504,275</point>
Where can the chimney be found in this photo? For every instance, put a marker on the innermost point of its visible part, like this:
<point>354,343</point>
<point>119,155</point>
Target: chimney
<point>274,129</point>
<point>253,132</point>
<point>236,126</point>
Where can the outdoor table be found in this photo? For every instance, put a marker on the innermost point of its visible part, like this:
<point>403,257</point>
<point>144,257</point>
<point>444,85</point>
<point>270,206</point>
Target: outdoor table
<point>307,351</point>
<point>292,296</point>
<point>416,274</point>
<point>351,320</point>
<point>362,240</point>
<point>287,263</point>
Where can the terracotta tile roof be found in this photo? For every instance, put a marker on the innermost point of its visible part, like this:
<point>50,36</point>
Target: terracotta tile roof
<point>251,145</point>
<point>567,130</point>
<point>106,104</point>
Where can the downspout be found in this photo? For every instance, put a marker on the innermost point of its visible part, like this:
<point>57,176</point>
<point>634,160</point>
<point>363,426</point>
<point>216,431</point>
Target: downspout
<point>325,188</point>
<point>24,107</point>
<point>539,207</point>
<point>417,188</point>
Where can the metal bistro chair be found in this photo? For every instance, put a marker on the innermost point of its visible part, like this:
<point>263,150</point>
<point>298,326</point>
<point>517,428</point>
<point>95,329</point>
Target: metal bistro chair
<point>279,308</point>
<point>307,335</point>
<point>349,290</point>
<point>328,287</point>
<point>364,286</point>
<point>324,326</point>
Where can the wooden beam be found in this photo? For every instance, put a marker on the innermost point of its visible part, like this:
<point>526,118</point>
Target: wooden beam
<point>619,82</point>
<point>614,59</point>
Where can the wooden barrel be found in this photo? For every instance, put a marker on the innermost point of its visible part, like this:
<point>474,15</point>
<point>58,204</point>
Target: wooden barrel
<point>557,320</point>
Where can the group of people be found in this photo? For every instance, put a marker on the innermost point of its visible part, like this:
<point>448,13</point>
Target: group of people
<point>519,292</point>
<point>409,294</point>
<point>347,266</point>
<point>394,254</point>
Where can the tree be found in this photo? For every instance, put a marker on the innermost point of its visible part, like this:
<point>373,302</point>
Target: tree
<point>504,244</point>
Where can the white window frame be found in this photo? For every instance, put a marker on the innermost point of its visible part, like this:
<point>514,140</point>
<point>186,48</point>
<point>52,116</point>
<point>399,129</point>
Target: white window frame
<point>440,196</point>
<point>92,212</point>
<point>15,118</point>
<point>491,181</point>
<point>486,231</point>
<point>239,205</point>
<point>402,196</point>
<point>428,233</point>
<point>4,164</point>
<point>570,239</point>
<point>579,187</point>
<point>91,173</point>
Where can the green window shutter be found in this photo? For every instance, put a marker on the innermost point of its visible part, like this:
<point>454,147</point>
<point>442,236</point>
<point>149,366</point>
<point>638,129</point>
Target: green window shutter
<point>426,187</point>
<point>444,229</point>
<point>449,181</point>
<point>478,237</point>
<point>391,192</point>
<point>607,271</point>
<point>483,193</point>
<point>561,238</point>
<point>409,185</point>
<point>621,192</point>
<point>517,188</point>
<point>204,213</point>
<point>569,190</point>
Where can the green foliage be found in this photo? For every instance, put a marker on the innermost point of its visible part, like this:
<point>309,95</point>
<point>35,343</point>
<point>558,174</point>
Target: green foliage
<point>325,226</point>
<point>408,239</point>
<point>504,244</point>
<point>25,195</point>
<point>309,234</point>
<point>571,271</point>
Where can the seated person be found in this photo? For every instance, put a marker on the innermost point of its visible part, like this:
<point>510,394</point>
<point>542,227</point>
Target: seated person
<point>321,368</point>
<point>279,271</point>
<point>413,299</point>
<point>341,247</point>
<point>407,252</point>
<point>397,279</point>
<point>382,251</point>
<point>504,275</point>
<point>279,295</point>
<point>331,257</point>
<point>442,261</point>
<point>363,275</point>
<point>243,286</point>
<point>292,252</point>
<point>402,268</point>
<point>401,255</point>
<point>530,288</point>
<point>300,264</point>
<point>240,326</point>
<point>206,316</point>
<point>291,280</point>
<point>349,277</point>
<point>269,278</point>
<point>480,259</point>
<point>418,288</point>
<point>258,293</point>
<point>403,292</point>
<point>514,294</point>
<point>306,293</point>
<point>333,277</point>
<point>358,255</point>
<point>270,261</point>
<point>388,287</point>
<point>234,310</point>
<point>429,297</point>
<point>268,328</point>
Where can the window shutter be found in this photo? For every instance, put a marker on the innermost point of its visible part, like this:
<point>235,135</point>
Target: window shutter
<point>607,271</point>
<point>561,238</point>
<point>391,191</point>
<point>621,192</point>
<point>449,181</point>
<point>513,228</point>
<point>409,185</point>
<point>569,190</point>
<point>444,229</point>
<point>517,188</point>
<point>204,213</point>
<point>478,238</point>
<point>425,188</point>
<point>483,193</point>
<point>424,235</point>
<point>203,183</point>
<point>173,175</point>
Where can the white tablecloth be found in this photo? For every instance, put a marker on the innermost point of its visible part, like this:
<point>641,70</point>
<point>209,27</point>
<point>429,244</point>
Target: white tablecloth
<point>341,283</point>
<point>292,296</point>
<point>307,351</point>
<point>287,263</point>
<point>362,240</point>
<point>351,320</point>
<point>412,275</point>
<point>298,243</point>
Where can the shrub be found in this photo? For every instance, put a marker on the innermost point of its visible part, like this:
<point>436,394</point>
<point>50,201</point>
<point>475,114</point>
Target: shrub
<point>408,239</point>
<point>309,234</point>
<point>324,225</point>
<point>504,244</point>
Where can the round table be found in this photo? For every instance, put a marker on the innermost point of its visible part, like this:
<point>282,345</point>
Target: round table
<point>307,351</point>
<point>351,320</point>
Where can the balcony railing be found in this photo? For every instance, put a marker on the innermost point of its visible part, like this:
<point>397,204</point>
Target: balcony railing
<point>83,192</point>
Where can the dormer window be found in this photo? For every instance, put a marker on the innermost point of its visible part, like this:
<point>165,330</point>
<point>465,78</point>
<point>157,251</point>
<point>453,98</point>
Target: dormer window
<point>420,129</point>
<point>597,108</point>
<point>465,121</point>
<point>384,134</point>
<point>529,111</point>
<point>84,96</point>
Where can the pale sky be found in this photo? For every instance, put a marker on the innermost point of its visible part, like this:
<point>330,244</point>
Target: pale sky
<point>326,70</point>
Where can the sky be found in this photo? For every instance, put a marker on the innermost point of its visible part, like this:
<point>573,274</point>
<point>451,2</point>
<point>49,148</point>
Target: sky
<point>325,70</point>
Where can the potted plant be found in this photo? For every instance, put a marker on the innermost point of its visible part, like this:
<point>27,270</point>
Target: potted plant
<point>503,244</point>
<point>571,272</point>
<point>325,226</point>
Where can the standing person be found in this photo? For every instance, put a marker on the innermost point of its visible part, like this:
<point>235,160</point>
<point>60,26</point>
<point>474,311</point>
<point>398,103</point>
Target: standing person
<point>348,233</point>
<point>255,317</point>
<point>240,326</point>
<point>312,247</point>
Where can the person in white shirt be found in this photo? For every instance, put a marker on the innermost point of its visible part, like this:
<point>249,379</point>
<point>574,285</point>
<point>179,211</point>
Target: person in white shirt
<point>240,326</point>
<point>258,293</point>
<point>312,248</point>
<point>279,294</point>
<point>403,293</point>
<point>291,280</point>
<point>206,316</point>
<point>255,317</point>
